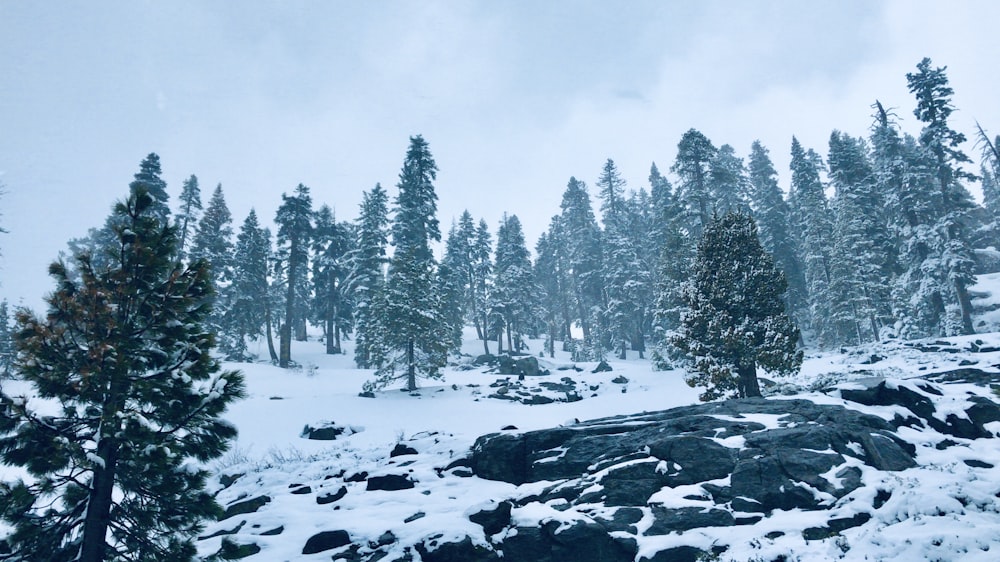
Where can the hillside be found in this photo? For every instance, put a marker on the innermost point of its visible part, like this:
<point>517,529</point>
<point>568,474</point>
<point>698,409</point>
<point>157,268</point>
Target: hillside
<point>396,484</point>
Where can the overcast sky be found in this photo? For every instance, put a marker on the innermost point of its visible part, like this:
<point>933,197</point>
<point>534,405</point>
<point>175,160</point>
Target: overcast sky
<point>514,97</point>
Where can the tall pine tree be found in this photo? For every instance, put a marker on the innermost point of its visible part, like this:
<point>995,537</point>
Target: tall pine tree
<point>295,228</point>
<point>249,305</point>
<point>125,353</point>
<point>415,331</point>
<point>187,217</point>
<point>367,278</point>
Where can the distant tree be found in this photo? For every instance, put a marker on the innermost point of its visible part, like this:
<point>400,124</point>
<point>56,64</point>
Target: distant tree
<point>623,276</point>
<point>735,320</point>
<point>368,278</point>
<point>6,339</point>
<point>457,278</point>
<point>248,303</point>
<point>813,221</point>
<point>550,269</point>
<point>415,330</point>
<point>773,217</point>
<point>728,184</point>
<point>187,217</point>
<point>583,257</point>
<point>673,251</point>
<point>862,260</point>
<point>116,473</point>
<point>148,178</point>
<point>482,277</point>
<point>213,239</point>
<point>333,243</point>
<point>294,220</point>
<point>514,295</point>
<point>694,157</point>
<point>930,86</point>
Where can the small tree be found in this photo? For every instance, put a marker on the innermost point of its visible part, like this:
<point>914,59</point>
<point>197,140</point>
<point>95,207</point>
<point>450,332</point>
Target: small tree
<point>735,319</point>
<point>124,354</point>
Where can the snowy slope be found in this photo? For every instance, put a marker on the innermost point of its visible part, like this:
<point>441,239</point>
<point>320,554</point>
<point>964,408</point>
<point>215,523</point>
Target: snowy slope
<point>443,419</point>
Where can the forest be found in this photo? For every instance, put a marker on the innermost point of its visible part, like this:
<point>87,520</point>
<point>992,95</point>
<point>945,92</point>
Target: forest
<point>880,239</point>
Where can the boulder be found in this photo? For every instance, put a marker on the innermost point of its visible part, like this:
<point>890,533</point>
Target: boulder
<point>327,540</point>
<point>389,483</point>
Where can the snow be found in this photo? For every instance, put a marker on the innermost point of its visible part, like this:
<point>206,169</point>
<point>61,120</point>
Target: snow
<point>944,508</point>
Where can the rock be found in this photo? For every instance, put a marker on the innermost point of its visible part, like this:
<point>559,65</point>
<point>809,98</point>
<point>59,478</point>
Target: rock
<point>462,551</point>
<point>602,367</point>
<point>327,431</point>
<point>357,477</point>
<point>246,506</point>
<point>302,490</point>
<point>233,551</point>
<point>485,359</point>
<point>526,366</point>
<point>401,449</point>
<point>580,542</point>
<point>493,520</point>
<point>273,532</point>
<point>330,498</point>
<point>414,517</point>
<point>389,483</point>
<point>679,554</point>
<point>326,540</point>
<point>667,521</point>
<point>620,379</point>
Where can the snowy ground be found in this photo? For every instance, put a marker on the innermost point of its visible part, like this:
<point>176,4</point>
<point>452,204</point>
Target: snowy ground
<point>444,418</point>
<point>946,509</point>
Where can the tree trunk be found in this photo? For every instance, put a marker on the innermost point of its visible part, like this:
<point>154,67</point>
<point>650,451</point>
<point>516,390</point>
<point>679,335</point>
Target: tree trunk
<point>336,339</point>
<point>962,292</point>
<point>500,339</point>
<point>510,342</point>
<point>300,330</point>
<point>748,386</point>
<point>331,349</point>
<point>479,329</point>
<point>411,367</point>
<point>98,517</point>
<point>270,337</point>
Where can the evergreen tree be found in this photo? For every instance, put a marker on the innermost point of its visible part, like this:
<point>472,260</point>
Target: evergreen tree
<point>583,239</point>
<point>415,330</point>
<point>861,259</point>
<point>332,306</point>
<point>124,351</point>
<point>728,182</point>
<point>735,320</point>
<point>814,224</point>
<point>6,340</point>
<point>213,239</point>
<point>694,156</point>
<point>772,214</point>
<point>550,269</point>
<point>457,278</point>
<point>513,299</point>
<point>148,178</point>
<point>674,253</point>
<point>622,272</point>
<point>294,220</point>
<point>187,218</point>
<point>249,305</point>
<point>368,278</point>
<point>930,86</point>
<point>482,276</point>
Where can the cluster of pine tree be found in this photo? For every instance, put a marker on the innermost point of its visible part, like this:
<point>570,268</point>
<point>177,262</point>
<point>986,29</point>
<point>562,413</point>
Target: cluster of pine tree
<point>880,239</point>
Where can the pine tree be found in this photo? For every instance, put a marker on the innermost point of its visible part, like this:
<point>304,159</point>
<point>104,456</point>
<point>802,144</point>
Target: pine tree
<point>583,239</point>
<point>772,214</point>
<point>187,218</point>
<point>694,156</point>
<point>513,299</point>
<point>368,278</point>
<point>814,225</point>
<point>482,277</point>
<point>249,305</point>
<point>457,278</point>
<point>861,259</point>
<point>213,239</point>
<point>148,178</point>
<point>674,252</point>
<point>930,86</point>
<point>550,269</point>
<point>332,305</point>
<point>728,182</point>
<point>124,351</point>
<point>735,320</point>
<point>622,272</point>
<point>6,340</point>
<point>294,220</point>
<point>414,328</point>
